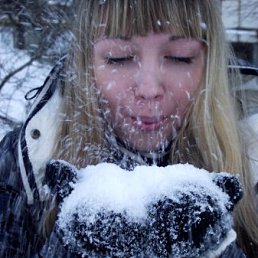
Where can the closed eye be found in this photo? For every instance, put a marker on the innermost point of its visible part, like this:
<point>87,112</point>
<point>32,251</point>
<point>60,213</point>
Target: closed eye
<point>179,59</point>
<point>118,60</point>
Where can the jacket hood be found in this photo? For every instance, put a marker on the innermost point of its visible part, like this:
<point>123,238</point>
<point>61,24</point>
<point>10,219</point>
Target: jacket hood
<point>38,133</point>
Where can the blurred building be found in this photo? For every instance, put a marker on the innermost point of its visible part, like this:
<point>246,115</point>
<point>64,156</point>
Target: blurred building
<point>241,21</point>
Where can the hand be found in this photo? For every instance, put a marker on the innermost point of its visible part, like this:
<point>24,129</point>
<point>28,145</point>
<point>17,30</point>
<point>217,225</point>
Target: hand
<point>60,176</point>
<point>231,186</point>
<point>194,222</point>
<point>190,223</point>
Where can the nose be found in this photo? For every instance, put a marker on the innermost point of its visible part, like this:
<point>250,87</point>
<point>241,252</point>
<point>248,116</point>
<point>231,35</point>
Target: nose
<point>149,81</point>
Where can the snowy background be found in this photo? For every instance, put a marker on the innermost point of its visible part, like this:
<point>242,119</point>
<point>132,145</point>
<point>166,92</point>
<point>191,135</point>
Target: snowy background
<point>33,36</point>
<point>13,105</point>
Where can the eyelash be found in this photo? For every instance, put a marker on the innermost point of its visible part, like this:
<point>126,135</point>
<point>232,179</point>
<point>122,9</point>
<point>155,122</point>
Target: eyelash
<point>122,60</point>
<point>176,59</point>
<point>118,60</point>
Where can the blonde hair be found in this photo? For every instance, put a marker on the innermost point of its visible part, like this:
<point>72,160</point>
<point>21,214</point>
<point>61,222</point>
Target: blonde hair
<point>211,123</point>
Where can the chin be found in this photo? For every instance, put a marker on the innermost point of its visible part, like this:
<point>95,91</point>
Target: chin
<point>146,141</point>
<point>148,145</point>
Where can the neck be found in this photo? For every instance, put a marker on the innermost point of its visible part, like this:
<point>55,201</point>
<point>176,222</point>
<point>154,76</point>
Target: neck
<point>129,158</point>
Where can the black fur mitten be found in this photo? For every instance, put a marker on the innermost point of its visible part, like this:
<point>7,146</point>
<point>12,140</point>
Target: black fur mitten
<point>60,176</point>
<point>176,214</point>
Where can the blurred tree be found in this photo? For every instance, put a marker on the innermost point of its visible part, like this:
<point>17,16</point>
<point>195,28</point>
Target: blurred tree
<point>37,24</point>
<point>41,29</point>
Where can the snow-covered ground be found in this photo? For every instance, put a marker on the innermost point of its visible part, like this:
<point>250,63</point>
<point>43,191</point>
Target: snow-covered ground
<point>12,101</point>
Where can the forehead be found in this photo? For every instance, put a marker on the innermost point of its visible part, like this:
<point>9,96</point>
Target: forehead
<point>151,40</point>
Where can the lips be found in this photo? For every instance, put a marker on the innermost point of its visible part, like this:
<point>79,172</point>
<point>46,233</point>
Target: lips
<point>146,123</point>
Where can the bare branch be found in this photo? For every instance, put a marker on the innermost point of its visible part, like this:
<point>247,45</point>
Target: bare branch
<point>12,73</point>
<point>9,121</point>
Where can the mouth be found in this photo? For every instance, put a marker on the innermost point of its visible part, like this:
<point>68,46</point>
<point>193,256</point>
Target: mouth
<point>145,123</point>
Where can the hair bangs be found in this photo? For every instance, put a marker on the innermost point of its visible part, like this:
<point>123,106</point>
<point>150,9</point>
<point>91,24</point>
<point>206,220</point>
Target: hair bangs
<point>126,18</point>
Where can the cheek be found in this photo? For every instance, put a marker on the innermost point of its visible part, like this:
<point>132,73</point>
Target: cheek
<point>114,93</point>
<point>182,89</point>
<point>113,82</point>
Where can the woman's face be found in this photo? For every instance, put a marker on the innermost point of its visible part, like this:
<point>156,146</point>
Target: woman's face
<point>147,84</point>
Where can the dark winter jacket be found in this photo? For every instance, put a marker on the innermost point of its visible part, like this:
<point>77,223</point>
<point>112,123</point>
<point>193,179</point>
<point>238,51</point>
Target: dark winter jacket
<point>24,154</point>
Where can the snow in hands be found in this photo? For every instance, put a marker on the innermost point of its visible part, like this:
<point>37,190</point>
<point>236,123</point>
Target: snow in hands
<point>177,211</point>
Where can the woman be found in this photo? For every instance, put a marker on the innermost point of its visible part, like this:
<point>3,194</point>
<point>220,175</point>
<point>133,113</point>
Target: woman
<point>146,83</point>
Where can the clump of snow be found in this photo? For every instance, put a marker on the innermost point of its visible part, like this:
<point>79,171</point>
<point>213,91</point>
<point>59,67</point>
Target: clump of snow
<point>108,186</point>
<point>203,25</point>
<point>102,2</point>
<point>123,213</point>
<point>60,2</point>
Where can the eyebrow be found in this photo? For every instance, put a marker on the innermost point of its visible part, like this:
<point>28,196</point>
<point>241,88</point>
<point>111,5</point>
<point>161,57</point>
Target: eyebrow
<point>171,38</point>
<point>174,38</point>
<point>122,38</point>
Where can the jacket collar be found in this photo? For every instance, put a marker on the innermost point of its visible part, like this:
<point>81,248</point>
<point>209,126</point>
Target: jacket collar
<point>127,158</point>
<point>37,135</point>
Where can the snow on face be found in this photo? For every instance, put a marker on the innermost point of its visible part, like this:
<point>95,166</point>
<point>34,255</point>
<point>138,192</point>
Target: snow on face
<point>155,79</point>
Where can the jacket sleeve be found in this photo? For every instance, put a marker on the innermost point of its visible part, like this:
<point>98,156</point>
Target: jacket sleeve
<point>54,247</point>
<point>233,251</point>
<point>17,233</point>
